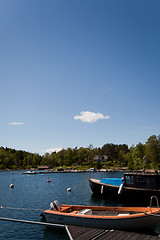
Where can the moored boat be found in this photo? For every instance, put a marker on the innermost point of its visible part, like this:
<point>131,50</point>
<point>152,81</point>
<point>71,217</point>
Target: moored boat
<point>122,218</point>
<point>133,188</point>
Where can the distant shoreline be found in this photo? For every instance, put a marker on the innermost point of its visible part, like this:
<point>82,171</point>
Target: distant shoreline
<point>36,171</point>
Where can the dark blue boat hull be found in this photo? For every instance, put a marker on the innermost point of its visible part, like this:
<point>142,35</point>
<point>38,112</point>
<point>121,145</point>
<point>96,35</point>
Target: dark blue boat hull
<point>129,196</point>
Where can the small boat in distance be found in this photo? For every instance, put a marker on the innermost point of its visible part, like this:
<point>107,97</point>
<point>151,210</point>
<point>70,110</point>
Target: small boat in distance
<point>121,218</point>
<point>30,172</point>
<point>133,188</point>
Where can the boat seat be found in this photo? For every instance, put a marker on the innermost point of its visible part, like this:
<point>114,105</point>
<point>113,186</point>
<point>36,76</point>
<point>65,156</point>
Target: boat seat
<point>65,209</point>
<point>85,212</point>
<point>74,212</point>
<point>123,214</point>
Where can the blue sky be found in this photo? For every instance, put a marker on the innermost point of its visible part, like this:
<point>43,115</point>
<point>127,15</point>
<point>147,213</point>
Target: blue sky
<point>78,72</point>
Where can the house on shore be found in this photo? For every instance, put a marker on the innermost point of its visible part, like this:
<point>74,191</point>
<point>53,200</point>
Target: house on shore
<point>101,158</point>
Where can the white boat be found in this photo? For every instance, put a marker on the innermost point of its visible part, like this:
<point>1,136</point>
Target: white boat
<point>122,218</point>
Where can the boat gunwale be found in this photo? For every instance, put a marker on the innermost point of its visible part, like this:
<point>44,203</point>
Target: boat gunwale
<point>142,212</point>
<point>97,181</point>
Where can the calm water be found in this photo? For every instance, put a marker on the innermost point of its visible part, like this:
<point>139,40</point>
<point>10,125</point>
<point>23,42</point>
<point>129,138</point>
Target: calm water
<point>34,192</point>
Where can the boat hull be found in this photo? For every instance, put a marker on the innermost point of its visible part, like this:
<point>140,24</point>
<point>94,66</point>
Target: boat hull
<point>134,196</point>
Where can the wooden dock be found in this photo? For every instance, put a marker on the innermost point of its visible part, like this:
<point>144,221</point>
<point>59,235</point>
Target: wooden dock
<point>79,233</point>
<point>85,233</point>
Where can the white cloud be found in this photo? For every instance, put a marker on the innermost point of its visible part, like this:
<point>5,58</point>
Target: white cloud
<point>50,150</point>
<point>90,117</point>
<point>16,123</point>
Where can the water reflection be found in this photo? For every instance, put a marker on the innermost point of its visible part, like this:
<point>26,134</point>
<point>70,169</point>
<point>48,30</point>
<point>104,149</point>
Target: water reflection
<point>100,201</point>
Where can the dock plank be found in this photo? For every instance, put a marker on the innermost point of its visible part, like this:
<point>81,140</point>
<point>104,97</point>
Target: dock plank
<point>79,233</point>
<point>154,238</point>
<point>85,233</point>
<point>120,235</point>
<point>111,234</point>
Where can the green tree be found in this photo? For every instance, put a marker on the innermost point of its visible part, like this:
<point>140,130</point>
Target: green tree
<point>83,155</point>
<point>152,152</point>
<point>69,157</point>
<point>138,153</point>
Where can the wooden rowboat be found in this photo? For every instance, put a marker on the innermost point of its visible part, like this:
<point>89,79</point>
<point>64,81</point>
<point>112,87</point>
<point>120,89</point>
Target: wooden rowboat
<point>122,218</point>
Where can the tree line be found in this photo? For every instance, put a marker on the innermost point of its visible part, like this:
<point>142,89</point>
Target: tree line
<point>133,158</point>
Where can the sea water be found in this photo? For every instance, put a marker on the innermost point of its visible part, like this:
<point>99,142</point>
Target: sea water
<point>32,194</point>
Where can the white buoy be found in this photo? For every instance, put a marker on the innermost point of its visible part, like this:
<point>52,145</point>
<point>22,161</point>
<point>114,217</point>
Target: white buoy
<point>69,189</point>
<point>11,186</point>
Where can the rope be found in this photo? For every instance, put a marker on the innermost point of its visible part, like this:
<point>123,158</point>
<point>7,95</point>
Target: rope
<point>80,183</point>
<point>24,209</point>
